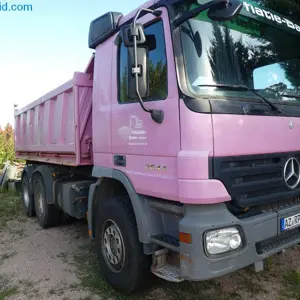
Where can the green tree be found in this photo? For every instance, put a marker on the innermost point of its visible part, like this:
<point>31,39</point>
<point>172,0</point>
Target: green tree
<point>234,61</point>
<point>288,8</point>
<point>158,79</point>
<point>291,10</point>
<point>224,57</point>
<point>7,151</point>
<point>124,85</point>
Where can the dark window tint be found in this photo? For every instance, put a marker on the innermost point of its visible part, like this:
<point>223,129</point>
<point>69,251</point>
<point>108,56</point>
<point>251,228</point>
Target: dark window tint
<point>158,83</point>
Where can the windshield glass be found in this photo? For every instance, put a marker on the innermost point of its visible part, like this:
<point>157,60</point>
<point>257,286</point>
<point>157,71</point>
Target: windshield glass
<point>259,49</point>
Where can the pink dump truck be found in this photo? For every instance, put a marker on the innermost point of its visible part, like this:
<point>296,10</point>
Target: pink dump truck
<point>179,142</point>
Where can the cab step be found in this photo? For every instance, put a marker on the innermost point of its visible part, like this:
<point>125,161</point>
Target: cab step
<point>168,272</point>
<point>162,268</point>
<point>166,241</point>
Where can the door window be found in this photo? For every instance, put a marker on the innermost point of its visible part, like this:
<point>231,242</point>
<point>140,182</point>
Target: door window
<point>157,67</point>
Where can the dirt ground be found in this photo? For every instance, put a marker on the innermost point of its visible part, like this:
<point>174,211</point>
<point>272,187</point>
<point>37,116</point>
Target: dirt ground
<point>59,263</point>
<point>39,262</point>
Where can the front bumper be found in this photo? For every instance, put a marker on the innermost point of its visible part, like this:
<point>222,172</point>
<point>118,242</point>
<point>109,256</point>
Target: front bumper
<point>262,238</point>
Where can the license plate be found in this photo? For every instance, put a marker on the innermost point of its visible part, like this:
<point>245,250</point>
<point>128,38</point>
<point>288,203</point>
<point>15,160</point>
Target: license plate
<point>290,222</point>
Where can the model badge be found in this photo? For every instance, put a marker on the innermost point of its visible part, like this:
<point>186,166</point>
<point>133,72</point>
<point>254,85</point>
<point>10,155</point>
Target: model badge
<point>156,168</point>
<point>291,173</point>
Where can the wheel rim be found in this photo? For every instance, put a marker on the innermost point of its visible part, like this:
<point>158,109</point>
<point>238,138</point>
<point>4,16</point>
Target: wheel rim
<point>26,194</point>
<point>113,249</point>
<point>39,199</point>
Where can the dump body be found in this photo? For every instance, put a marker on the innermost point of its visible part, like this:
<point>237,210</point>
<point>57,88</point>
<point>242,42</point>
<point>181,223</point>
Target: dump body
<point>57,128</point>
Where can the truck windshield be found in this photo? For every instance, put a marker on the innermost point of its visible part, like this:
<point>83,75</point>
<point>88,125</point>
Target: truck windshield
<point>258,49</point>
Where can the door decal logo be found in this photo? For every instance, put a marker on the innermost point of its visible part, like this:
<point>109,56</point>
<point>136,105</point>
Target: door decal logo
<point>134,134</point>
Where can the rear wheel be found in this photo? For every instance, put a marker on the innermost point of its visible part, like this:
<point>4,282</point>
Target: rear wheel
<point>47,214</point>
<point>120,252</point>
<point>27,198</point>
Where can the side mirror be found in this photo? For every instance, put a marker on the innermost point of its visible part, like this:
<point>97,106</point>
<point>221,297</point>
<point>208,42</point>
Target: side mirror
<point>134,39</point>
<point>143,77</point>
<point>150,42</point>
<point>128,32</point>
<point>221,13</point>
<point>218,10</point>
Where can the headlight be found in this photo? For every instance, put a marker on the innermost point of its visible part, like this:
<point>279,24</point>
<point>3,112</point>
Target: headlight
<point>222,240</point>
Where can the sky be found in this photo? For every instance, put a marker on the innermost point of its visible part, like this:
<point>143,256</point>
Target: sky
<point>40,49</point>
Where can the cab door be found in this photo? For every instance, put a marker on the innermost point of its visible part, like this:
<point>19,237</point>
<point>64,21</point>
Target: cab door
<point>145,150</point>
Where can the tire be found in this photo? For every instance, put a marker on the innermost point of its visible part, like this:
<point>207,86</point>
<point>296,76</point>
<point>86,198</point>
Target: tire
<point>47,214</point>
<point>120,253</point>
<point>27,197</point>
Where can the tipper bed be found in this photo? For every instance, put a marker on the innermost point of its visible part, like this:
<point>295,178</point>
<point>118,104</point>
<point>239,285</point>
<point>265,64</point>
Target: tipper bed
<point>57,128</point>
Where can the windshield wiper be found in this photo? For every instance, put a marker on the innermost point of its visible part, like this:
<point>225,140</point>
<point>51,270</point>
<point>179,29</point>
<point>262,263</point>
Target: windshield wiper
<point>241,87</point>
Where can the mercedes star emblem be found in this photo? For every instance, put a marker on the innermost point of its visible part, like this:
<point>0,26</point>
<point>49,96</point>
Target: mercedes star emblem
<point>291,173</point>
<point>291,125</point>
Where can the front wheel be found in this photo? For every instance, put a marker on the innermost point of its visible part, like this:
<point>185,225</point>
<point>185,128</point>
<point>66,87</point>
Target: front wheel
<point>119,250</point>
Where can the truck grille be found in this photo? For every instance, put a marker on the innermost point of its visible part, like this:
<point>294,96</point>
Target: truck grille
<point>255,180</point>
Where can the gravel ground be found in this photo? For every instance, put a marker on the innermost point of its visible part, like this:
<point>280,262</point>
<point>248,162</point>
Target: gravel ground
<point>39,262</point>
<point>60,263</point>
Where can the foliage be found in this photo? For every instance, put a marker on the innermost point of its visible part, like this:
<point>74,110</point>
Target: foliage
<point>233,60</point>
<point>10,207</point>
<point>7,152</point>
<point>289,8</point>
<point>157,77</point>
<point>7,292</point>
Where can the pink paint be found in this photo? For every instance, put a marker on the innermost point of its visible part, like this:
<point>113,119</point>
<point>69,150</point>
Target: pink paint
<point>242,135</point>
<point>202,192</point>
<point>84,115</point>
<point>192,164</point>
<point>82,123</point>
<point>153,182</point>
<point>58,126</point>
<point>102,97</point>
<point>163,140</point>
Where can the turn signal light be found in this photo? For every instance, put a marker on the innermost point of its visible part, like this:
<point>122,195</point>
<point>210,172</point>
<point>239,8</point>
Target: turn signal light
<point>185,238</point>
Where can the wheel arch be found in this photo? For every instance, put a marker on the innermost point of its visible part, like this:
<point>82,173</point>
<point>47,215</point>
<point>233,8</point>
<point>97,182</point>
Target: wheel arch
<point>124,185</point>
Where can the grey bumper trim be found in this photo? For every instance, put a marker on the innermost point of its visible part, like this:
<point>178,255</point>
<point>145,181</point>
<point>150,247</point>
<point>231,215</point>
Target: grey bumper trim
<point>196,265</point>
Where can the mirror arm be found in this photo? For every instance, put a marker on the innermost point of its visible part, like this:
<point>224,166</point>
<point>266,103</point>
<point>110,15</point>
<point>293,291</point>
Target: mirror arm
<point>144,11</point>
<point>198,10</point>
<point>157,115</point>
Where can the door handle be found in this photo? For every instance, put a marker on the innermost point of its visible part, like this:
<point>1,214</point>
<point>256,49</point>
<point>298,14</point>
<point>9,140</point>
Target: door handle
<point>120,160</point>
